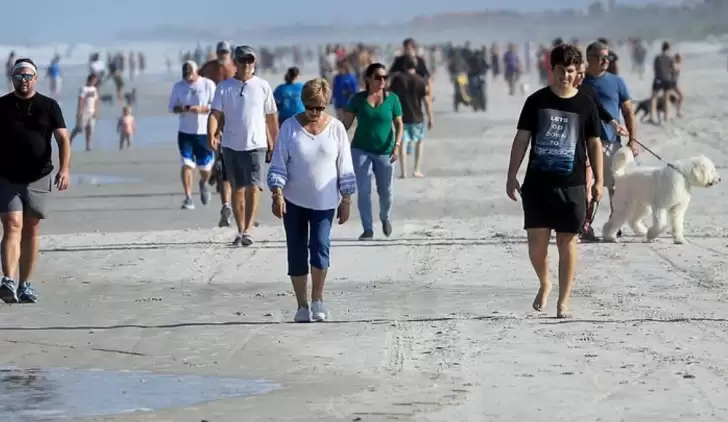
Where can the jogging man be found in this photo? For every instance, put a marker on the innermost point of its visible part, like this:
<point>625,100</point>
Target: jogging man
<point>412,90</point>
<point>29,120</point>
<point>217,71</point>
<point>246,111</point>
<point>614,96</point>
<point>191,98</point>
<point>561,125</point>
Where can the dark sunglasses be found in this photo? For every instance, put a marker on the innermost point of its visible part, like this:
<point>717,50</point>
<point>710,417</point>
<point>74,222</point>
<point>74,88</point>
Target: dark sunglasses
<point>23,77</point>
<point>245,60</point>
<point>380,77</point>
<point>601,57</point>
<point>314,108</point>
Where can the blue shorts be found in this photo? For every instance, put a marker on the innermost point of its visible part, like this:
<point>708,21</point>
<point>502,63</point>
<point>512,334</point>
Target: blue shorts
<point>195,151</point>
<point>413,132</point>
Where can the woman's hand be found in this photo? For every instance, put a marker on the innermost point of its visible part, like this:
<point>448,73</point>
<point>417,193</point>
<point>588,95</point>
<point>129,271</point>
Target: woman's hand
<point>279,205</point>
<point>343,212</point>
<point>395,154</point>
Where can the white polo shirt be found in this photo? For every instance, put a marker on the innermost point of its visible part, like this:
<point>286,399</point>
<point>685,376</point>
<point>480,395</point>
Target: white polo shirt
<point>245,106</point>
<point>198,93</point>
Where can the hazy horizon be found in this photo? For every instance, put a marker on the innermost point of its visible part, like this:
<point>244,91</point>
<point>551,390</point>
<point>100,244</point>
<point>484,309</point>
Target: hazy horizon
<point>95,21</point>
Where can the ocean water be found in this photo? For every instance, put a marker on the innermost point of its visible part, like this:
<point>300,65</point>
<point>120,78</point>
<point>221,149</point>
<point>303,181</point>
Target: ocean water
<point>157,127</point>
<point>59,393</point>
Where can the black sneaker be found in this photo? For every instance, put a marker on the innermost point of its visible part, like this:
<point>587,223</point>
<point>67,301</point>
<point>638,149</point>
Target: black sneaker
<point>589,236</point>
<point>8,291</point>
<point>238,241</point>
<point>367,235</point>
<point>387,228</point>
<point>226,214</point>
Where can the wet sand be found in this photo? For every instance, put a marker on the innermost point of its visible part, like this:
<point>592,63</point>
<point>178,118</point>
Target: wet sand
<point>434,324</point>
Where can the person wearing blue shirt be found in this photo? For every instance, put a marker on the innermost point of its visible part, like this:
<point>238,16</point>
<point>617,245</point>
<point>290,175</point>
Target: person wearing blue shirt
<point>615,98</point>
<point>288,96</point>
<point>345,85</point>
<point>54,75</point>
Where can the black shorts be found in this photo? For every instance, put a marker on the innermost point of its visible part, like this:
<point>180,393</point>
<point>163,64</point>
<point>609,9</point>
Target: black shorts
<point>659,85</point>
<point>560,209</point>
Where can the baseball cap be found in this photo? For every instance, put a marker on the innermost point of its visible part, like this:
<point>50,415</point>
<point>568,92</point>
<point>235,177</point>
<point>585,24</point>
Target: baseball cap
<point>244,51</point>
<point>223,47</point>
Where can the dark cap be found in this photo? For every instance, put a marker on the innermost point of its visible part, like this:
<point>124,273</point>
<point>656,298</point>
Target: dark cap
<point>223,47</point>
<point>242,51</point>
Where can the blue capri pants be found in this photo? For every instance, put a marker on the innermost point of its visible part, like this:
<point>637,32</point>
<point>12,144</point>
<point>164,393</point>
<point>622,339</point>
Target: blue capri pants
<point>308,238</point>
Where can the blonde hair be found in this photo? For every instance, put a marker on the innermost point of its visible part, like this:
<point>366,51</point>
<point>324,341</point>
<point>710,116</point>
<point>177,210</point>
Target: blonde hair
<point>316,90</point>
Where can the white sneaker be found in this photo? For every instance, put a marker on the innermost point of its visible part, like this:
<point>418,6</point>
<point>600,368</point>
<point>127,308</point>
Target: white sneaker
<point>302,315</point>
<point>318,311</point>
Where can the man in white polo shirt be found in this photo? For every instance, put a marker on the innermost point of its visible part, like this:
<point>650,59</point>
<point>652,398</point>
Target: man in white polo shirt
<point>191,98</point>
<point>247,109</point>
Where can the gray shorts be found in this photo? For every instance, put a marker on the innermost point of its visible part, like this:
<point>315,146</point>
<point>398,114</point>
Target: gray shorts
<point>244,168</point>
<point>31,199</point>
<point>609,149</point>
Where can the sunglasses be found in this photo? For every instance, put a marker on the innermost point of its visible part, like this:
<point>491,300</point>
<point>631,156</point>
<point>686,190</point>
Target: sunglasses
<point>23,77</point>
<point>314,108</point>
<point>245,60</point>
<point>380,77</point>
<point>601,57</point>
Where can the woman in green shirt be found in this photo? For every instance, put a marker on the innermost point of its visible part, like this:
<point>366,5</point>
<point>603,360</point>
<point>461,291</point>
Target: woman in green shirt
<point>375,144</point>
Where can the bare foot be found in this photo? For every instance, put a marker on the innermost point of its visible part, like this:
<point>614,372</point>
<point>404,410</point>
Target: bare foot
<point>418,174</point>
<point>402,176</point>
<point>542,297</point>
<point>562,312</point>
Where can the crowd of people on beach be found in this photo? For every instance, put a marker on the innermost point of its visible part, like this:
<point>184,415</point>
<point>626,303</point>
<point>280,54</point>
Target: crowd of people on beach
<point>232,122</point>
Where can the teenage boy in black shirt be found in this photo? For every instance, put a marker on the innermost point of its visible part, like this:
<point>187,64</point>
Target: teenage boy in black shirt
<point>561,125</point>
<point>29,120</point>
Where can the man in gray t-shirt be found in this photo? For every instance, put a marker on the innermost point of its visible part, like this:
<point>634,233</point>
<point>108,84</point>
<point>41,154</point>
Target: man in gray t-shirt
<point>663,84</point>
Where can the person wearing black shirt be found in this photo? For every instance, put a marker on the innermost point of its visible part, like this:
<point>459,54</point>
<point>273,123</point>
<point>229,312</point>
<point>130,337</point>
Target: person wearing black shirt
<point>29,120</point>
<point>412,91</point>
<point>561,126</point>
<point>410,49</point>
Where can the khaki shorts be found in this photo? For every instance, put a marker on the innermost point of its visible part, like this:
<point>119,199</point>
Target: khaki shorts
<point>609,149</point>
<point>31,198</point>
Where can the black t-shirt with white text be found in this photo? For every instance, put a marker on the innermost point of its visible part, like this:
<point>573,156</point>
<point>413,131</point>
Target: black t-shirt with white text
<point>559,130</point>
<point>27,127</point>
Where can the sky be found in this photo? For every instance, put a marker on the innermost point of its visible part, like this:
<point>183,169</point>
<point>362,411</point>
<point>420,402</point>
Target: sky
<point>89,20</point>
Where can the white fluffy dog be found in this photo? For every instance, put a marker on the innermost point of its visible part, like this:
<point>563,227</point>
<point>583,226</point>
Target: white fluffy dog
<point>664,191</point>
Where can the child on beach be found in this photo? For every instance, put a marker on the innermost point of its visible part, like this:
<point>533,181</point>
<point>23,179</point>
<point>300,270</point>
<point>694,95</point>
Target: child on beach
<point>126,128</point>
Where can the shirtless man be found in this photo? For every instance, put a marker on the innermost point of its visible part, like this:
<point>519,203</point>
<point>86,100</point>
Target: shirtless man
<point>218,70</point>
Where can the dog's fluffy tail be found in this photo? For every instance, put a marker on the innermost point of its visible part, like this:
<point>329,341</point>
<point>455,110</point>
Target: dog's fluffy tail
<point>621,160</point>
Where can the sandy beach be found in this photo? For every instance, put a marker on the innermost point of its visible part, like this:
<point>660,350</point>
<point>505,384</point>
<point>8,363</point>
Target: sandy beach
<point>434,324</point>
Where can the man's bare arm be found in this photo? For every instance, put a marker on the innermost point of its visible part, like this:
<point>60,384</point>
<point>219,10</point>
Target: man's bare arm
<point>518,151</point>
<point>629,120</point>
<point>64,148</point>
<point>594,151</point>
<point>271,121</point>
<point>213,127</point>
